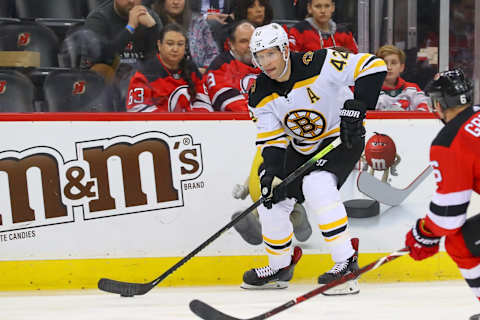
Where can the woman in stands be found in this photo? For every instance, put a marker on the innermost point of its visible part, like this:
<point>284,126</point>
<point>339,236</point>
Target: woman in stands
<point>257,12</point>
<point>202,46</point>
<point>169,82</point>
<point>319,31</point>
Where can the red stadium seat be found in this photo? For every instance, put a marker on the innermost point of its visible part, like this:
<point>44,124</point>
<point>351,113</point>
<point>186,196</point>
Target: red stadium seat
<point>76,91</point>
<point>16,92</point>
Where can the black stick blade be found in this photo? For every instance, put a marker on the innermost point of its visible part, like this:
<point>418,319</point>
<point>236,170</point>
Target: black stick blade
<point>207,312</point>
<point>125,289</point>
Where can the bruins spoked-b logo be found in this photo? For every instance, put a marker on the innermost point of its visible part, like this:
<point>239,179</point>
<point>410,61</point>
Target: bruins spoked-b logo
<point>305,123</point>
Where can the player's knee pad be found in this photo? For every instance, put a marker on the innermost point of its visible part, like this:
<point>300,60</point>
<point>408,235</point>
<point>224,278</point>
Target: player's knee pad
<point>320,189</point>
<point>471,235</point>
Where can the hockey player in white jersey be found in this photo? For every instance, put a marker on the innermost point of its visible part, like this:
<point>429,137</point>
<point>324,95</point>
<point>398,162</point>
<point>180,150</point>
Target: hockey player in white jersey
<point>299,106</point>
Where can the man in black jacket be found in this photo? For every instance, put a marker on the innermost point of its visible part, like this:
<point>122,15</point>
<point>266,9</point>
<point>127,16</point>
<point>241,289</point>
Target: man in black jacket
<point>125,30</point>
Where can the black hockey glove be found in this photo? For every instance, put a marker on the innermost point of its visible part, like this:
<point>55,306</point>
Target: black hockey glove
<point>270,190</point>
<point>351,122</point>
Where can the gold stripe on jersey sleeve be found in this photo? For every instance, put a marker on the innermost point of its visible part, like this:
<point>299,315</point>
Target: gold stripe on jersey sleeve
<point>269,134</point>
<point>359,64</point>
<point>305,82</point>
<point>378,63</point>
<point>278,242</point>
<point>267,99</point>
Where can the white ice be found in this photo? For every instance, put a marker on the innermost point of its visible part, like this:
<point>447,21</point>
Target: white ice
<point>433,300</point>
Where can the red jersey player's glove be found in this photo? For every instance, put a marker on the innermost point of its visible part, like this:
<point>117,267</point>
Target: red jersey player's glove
<point>421,242</point>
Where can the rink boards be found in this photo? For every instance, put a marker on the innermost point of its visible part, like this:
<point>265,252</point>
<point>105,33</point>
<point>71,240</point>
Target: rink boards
<point>126,197</point>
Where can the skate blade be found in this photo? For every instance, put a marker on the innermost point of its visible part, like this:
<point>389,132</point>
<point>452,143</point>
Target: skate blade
<point>268,286</point>
<point>347,288</point>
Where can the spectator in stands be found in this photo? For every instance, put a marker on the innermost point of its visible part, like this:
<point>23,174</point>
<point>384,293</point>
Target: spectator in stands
<point>214,10</point>
<point>231,74</point>
<point>202,46</point>
<point>319,31</point>
<point>218,14</point>
<point>126,31</point>
<point>397,94</point>
<point>257,12</point>
<point>169,82</point>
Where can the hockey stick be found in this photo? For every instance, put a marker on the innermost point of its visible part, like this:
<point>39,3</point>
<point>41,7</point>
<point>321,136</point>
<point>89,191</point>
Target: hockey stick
<point>385,193</point>
<point>129,289</point>
<point>207,312</point>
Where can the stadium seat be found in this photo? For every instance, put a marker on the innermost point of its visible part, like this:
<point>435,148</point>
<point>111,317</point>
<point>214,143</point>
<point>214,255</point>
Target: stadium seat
<point>60,26</point>
<point>283,10</point>
<point>92,4</point>
<point>78,41</point>
<point>76,91</point>
<point>63,9</point>
<point>287,23</point>
<point>30,36</point>
<point>5,8</point>
<point>16,92</point>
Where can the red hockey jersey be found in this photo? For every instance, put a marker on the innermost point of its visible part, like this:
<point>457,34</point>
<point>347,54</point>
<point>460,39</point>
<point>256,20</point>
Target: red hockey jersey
<point>455,158</point>
<point>228,81</point>
<point>305,36</point>
<point>154,88</point>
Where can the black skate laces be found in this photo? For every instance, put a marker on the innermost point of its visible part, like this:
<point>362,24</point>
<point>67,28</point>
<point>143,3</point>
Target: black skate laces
<point>265,272</point>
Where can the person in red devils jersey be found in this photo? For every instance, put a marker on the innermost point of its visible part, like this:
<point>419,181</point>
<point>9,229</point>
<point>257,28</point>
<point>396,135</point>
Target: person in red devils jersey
<point>169,82</point>
<point>319,31</point>
<point>231,74</point>
<point>455,157</point>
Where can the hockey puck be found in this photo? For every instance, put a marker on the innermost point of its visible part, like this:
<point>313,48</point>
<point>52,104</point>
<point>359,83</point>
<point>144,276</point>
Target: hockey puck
<point>362,208</point>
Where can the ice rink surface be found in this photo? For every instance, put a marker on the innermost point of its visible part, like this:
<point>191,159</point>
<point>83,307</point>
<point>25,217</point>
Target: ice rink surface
<point>434,300</point>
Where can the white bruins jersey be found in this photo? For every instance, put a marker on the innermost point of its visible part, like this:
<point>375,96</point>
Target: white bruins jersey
<point>306,109</point>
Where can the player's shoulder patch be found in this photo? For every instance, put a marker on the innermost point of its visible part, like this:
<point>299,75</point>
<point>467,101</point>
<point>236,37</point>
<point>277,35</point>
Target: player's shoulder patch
<point>308,64</point>
<point>307,57</point>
